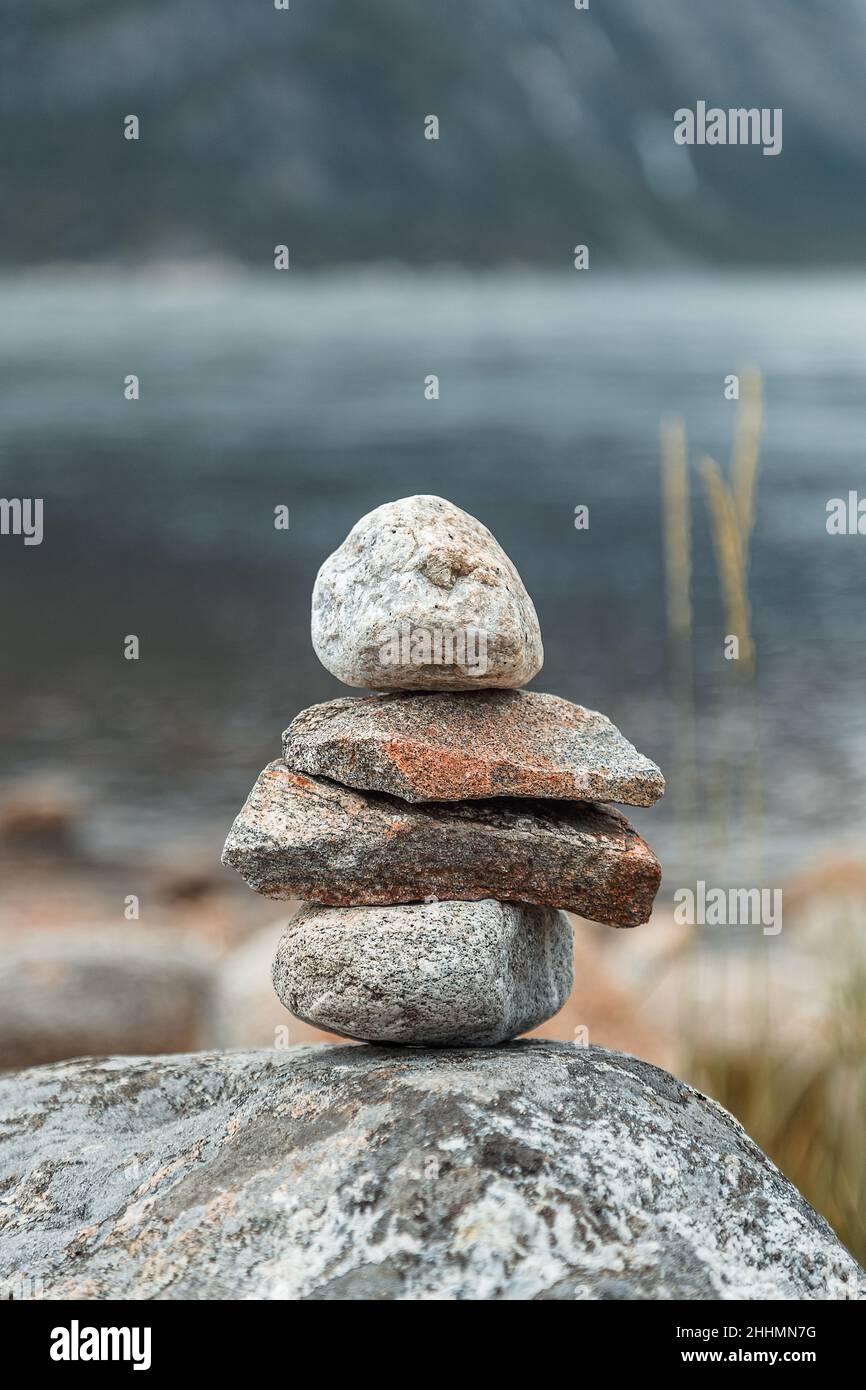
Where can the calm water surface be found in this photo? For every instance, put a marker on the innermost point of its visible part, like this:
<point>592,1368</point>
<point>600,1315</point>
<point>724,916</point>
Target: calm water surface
<point>260,391</point>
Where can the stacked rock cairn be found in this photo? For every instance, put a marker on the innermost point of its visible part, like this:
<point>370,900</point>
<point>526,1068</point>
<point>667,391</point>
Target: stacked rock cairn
<point>436,831</point>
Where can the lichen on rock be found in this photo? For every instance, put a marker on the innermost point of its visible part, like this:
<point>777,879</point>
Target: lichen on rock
<point>534,1170</point>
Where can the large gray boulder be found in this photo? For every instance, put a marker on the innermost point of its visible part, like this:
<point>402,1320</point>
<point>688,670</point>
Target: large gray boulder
<point>533,1170</point>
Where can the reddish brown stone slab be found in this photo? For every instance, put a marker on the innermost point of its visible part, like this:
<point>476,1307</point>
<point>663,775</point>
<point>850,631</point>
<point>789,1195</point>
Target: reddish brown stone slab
<point>450,747</point>
<point>306,837</point>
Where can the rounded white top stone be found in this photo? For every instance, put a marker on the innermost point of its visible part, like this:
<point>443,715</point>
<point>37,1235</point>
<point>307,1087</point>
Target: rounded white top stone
<point>421,596</point>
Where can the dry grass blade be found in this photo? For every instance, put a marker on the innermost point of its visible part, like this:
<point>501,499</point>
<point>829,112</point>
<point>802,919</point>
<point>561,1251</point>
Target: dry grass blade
<point>677,525</point>
<point>731,559</point>
<point>746,454</point>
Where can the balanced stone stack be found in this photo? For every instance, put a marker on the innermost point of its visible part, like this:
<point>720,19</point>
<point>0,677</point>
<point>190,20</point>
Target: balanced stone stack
<point>438,830</point>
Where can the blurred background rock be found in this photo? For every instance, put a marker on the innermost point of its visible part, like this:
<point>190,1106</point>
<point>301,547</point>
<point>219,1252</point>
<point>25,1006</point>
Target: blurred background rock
<point>305,389</point>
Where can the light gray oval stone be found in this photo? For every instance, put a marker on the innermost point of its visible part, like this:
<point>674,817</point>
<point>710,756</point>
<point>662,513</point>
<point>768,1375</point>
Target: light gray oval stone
<point>535,1170</point>
<point>421,596</point>
<point>438,973</point>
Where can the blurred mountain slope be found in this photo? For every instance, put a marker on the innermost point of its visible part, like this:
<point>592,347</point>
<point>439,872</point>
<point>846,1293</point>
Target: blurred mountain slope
<point>260,126</point>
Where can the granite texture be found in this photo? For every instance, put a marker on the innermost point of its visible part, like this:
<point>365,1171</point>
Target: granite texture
<point>420,596</point>
<point>438,973</point>
<point>447,747</point>
<point>534,1170</point>
<point>309,838</point>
